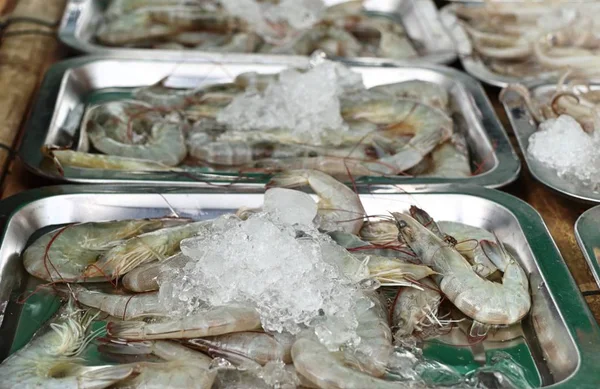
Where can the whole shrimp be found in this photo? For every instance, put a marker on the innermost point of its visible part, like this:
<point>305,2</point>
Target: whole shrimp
<point>339,207</point>
<point>51,360</point>
<point>258,346</point>
<point>64,254</point>
<point>126,307</point>
<point>487,302</point>
<point>217,321</point>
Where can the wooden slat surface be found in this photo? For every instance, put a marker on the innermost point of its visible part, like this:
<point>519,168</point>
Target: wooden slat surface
<point>558,212</point>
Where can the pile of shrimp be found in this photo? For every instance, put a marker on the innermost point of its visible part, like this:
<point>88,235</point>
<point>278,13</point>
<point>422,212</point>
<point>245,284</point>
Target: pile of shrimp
<point>342,30</point>
<point>425,264</point>
<point>529,39</point>
<point>407,128</point>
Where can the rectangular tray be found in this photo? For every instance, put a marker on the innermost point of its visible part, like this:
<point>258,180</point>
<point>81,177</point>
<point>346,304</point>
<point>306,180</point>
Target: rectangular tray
<point>524,126</point>
<point>472,64</point>
<point>419,17</point>
<point>70,82</point>
<point>587,232</point>
<point>560,333</point>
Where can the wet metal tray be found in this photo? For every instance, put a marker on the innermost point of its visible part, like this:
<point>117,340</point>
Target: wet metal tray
<point>556,343</point>
<point>84,80</point>
<point>420,19</point>
<point>587,232</point>
<point>524,126</point>
<point>472,63</point>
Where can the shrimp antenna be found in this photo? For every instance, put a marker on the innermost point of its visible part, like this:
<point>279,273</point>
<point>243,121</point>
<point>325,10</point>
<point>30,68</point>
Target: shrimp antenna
<point>173,211</point>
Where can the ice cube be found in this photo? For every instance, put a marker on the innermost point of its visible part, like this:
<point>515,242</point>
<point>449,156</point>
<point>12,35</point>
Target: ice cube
<point>292,206</point>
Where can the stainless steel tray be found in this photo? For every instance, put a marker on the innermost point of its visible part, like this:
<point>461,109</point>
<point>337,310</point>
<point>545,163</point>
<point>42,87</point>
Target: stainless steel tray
<point>560,333</point>
<point>524,125</point>
<point>473,64</point>
<point>71,82</point>
<point>419,17</point>
<point>587,232</point>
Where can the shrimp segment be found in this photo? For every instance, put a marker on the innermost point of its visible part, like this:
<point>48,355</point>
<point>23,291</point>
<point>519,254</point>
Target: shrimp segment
<point>482,300</point>
<point>217,321</point>
<point>339,207</point>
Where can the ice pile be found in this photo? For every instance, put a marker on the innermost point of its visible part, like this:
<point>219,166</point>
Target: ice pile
<point>304,104</point>
<point>264,17</point>
<point>561,144</point>
<point>294,275</point>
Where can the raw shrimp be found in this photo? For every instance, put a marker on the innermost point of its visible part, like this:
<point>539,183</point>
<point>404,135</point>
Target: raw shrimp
<point>144,278</point>
<point>359,247</point>
<point>393,272</point>
<point>327,370</point>
<point>422,91</point>
<point>427,126</point>
<point>143,248</point>
<point>258,346</point>
<point>339,207</point>
<point>50,359</point>
<point>126,307</point>
<point>172,374</point>
<point>163,349</point>
<point>380,232</point>
<point>415,309</point>
<point>64,254</point>
<point>334,166</point>
<point>450,159</point>
<point>217,321</point>
<point>77,159</point>
<point>487,302</point>
<point>132,129</point>
<point>132,28</point>
<point>160,95</point>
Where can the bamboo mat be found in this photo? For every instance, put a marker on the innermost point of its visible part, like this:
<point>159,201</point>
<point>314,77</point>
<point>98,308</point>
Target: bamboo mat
<point>558,212</point>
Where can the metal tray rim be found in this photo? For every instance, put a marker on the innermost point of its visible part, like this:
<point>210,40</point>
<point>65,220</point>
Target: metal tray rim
<point>506,171</point>
<point>588,252</point>
<point>580,323</point>
<point>70,19</point>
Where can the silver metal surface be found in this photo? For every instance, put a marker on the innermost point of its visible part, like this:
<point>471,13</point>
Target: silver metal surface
<point>587,232</point>
<point>71,82</point>
<point>560,331</point>
<point>473,63</point>
<point>419,17</point>
<point>524,126</point>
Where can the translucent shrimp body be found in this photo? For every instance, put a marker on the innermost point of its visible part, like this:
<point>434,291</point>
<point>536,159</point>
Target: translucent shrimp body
<point>127,307</point>
<point>217,321</point>
<point>144,278</point>
<point>421,91</point>
<point>258,346</point>
<point>482,300</point>
<point>50,359</point>
<point>78,159</point>
<point>339,207</point>
<point>64,254</point>
<point>132,129</point>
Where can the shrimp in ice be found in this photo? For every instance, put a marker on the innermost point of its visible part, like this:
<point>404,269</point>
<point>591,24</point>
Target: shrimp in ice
<point>64,254</point>
<point>414,309</point>
<point>339,207</point>
<point>485,301</point>
<point>51,360</point>
<point>217,321</point>
<point>144,278</point>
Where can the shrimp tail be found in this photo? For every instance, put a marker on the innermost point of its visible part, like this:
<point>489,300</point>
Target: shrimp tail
<point>102,378</point>
<point>126,330</point>
<point>495,253</point>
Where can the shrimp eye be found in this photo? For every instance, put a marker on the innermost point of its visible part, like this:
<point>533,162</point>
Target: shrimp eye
<point>402,224</point>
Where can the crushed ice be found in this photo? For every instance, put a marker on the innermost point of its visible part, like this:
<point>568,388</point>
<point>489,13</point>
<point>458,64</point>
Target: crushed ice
<point>562,144</point>
<point>294,275</point>
<point>305,104</point>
